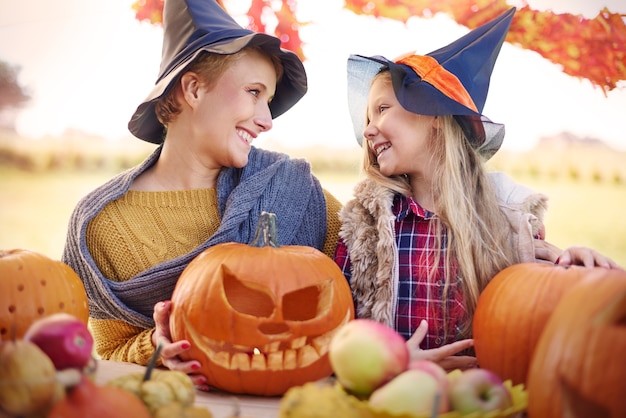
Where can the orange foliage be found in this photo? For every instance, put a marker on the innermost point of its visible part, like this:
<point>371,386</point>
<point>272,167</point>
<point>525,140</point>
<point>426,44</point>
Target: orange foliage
<point>594,49</point>
<point>287,29</point>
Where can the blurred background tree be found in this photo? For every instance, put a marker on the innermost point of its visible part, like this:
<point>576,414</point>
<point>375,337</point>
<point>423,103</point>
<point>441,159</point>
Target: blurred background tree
<point>12,95</point>
<point>594,49</point>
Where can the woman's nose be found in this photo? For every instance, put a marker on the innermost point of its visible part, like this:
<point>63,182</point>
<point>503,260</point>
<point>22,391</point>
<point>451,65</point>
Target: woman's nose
<point>264,119</point>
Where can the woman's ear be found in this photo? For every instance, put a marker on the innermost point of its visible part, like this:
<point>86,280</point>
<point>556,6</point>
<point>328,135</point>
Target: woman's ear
<point>436,123</point>
<point>190,84</point>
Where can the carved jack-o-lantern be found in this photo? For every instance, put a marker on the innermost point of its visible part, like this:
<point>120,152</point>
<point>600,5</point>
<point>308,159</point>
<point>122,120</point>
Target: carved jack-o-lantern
<point>260,317</point>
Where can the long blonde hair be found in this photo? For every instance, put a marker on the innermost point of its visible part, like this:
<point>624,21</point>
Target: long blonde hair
<point>466,204</point>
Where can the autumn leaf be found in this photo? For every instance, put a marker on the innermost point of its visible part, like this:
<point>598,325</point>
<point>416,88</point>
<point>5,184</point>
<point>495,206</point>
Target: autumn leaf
<point>287,28</point>
<point>594,49</point>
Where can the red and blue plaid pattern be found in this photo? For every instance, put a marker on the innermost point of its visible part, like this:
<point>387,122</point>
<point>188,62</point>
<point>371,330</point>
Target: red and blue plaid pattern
<point>419,297</point>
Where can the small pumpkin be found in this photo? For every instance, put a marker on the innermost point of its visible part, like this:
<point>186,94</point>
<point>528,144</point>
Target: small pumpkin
<point>512,311</point>
<point>33,286</point>
<point>578,369</point>
<point>87,399</point>
<point>260,317</point>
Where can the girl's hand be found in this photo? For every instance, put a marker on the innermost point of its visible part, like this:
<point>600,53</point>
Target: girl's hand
<point>170,350</point>
<point>444,355</point>
<point>583,256</point>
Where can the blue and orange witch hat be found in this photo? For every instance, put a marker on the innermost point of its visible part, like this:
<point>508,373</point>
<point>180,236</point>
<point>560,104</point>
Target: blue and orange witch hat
<point>193,26</point>
<point>453,80</point>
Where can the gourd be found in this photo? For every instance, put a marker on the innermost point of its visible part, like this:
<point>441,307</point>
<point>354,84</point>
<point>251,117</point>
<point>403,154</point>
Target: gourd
<point>157,388</point>
<point>33,286</point>
<point>260,317</point>
<point>512,311</point>
<point>578,369</point>
<point>27,378</point>
<point>88,399</point>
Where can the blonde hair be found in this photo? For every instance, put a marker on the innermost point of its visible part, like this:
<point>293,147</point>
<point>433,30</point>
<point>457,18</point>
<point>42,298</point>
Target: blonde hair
<point>209,67</point>
<point>466,205</point>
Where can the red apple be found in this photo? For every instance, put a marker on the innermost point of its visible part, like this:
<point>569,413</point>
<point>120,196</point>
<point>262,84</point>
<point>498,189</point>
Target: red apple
<point>365,354</point>
<point>413,392</point>
<point>478,390</point>
<point>64,338</point>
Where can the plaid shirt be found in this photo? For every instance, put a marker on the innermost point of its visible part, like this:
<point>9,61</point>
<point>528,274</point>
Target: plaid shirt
<point>418,297</point>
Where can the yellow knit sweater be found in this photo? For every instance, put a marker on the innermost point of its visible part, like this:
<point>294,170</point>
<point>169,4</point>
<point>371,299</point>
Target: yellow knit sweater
<point>141,229</point>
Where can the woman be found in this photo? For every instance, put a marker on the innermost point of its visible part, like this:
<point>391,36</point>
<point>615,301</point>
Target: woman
<point>429,227</point>
<point>205,184</point>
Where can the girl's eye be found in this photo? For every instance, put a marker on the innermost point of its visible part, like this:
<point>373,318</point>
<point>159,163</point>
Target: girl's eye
<point>254,92</point>
<point>382,108</point>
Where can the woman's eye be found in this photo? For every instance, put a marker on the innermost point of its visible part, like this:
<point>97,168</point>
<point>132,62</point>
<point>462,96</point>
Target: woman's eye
<point>254,92</point>
<point>382,108</point>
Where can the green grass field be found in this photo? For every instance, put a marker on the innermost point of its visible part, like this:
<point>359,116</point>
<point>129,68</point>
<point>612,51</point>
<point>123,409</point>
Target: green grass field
<point>35,209</point>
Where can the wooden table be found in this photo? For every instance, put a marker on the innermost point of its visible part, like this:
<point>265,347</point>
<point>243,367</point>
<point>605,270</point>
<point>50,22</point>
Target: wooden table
<point>221,404</point>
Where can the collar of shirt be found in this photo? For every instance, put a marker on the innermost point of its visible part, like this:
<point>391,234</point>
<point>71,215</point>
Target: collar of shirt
<point>403,205</point>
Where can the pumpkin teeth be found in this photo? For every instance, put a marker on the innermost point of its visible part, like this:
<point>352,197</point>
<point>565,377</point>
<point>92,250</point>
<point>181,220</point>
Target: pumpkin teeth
<point>322,342</point>
<point>298,342</point>
<point>271,357</point>
<point>271,347</point>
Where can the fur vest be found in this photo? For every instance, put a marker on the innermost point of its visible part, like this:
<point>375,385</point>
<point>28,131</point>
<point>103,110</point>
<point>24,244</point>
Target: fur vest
<point>369,234</point>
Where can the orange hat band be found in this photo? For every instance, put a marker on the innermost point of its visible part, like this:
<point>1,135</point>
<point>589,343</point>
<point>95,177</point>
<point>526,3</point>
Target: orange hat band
<point>443,80</point>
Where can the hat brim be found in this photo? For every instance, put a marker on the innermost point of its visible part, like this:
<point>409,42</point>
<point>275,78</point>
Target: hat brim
<point>416,96</point>
<point>289,90</point>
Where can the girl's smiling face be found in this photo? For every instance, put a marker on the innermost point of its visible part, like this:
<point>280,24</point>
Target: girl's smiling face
<point>399,138</point>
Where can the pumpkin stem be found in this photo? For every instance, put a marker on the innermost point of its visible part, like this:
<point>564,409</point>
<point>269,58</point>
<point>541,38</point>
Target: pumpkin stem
<point>152,362</point>
<point>266,234</point>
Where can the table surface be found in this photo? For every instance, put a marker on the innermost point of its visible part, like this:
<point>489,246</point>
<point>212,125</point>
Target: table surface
<point>221,404</point>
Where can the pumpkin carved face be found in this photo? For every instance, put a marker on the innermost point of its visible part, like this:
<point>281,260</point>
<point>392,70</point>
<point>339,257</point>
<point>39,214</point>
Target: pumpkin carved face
<point>260,319</point>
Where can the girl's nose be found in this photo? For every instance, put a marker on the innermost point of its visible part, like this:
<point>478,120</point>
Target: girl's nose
<point>370,131</point>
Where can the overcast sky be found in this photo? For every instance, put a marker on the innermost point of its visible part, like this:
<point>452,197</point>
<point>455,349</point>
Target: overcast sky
<point>89,63</point>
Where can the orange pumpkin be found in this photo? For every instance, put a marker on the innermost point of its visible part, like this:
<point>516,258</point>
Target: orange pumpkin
<point>260,317</point>
<point>88,399</point>
<point>578,369</point>
<point>512,311</point>
<point>33,286</point>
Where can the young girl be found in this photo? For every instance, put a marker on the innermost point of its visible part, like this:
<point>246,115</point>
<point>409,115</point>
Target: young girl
<point>428,226</point>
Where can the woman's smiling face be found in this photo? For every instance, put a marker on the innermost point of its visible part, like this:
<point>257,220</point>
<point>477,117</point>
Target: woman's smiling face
<point>235,110</point>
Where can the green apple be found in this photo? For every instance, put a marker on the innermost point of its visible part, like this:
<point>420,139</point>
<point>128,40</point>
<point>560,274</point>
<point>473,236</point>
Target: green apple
<point>478,390</point>
<point>433,368</point>
<point>413,392</point>
<point>365,354</point>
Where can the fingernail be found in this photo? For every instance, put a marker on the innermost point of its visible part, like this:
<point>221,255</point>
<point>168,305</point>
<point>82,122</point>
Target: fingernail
<point>195,367</point>
<point>185,346</point>
<point>557,260</point>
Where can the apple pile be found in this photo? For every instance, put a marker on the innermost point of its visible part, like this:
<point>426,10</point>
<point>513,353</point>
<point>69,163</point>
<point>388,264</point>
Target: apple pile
<point>54,353</point>
<point>372,362</point>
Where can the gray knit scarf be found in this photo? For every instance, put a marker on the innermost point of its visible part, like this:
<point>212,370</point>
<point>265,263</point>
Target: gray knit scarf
<point>270,182</point>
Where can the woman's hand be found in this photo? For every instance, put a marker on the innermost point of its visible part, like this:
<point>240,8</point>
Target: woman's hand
<point>444,355</point>
<point>583,256</point>
<point>170,350</point>
<point>572,256</point>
